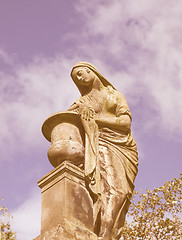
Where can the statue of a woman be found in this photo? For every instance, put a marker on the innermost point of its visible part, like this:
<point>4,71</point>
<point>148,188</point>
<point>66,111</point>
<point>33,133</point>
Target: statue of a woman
<point>111,157</point>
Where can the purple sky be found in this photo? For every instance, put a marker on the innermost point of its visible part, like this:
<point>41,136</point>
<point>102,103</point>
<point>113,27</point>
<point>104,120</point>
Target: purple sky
<point>136,45</point>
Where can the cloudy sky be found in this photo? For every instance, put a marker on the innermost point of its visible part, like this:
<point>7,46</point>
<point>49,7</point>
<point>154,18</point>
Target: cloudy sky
<point>136,45</point>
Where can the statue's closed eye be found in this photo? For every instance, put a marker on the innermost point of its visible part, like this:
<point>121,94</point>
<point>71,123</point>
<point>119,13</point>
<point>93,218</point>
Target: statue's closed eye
<point>79,73</point>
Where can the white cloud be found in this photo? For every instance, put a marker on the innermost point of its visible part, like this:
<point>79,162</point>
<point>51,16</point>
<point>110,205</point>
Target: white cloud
<point>27,218</point>
<point>143,41</point>
<point>136,45</point>
<point>28,97</point>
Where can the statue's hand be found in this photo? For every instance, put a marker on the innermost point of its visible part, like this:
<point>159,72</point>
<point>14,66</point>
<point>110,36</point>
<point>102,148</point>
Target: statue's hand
<point>86,113</point>
<point>74,107</point>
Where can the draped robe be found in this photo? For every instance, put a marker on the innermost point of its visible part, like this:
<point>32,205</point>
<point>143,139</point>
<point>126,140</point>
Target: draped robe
<point>111,162</point>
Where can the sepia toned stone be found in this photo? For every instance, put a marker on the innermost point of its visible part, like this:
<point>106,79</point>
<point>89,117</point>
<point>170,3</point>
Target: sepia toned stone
<point>68,231</point>
<point>65,132</point>
<point>66,204</point>
<point>92,141</point>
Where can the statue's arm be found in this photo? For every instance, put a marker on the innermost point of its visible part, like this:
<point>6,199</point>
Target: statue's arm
<point>120,119</point>
<point>122,122</point>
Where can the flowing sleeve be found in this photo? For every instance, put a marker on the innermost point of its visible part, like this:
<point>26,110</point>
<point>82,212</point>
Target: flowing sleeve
<point>75,106</point>
<point>122,107</point>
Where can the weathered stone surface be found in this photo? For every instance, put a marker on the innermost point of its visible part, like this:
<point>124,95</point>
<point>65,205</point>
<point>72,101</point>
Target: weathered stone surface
<point>68,231</point>
<point>94,134</point>
<point>66,133</point>
<point>65,202</point>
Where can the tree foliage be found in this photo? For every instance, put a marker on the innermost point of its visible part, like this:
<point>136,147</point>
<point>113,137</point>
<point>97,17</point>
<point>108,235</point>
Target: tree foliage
<point>157,214</point>
<point>5,226</point>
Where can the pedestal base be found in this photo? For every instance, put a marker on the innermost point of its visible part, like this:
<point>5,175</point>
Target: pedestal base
<point>67,231</point>
<point>67,210</point>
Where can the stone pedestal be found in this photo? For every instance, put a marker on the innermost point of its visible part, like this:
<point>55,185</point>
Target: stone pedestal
<point>66,205</point>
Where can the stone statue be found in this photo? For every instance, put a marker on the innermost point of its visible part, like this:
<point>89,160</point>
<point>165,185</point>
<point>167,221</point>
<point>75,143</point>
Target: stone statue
<point>96,137</point>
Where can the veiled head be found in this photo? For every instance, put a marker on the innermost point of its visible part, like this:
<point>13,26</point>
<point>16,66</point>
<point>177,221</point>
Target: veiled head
<point>83,74</point>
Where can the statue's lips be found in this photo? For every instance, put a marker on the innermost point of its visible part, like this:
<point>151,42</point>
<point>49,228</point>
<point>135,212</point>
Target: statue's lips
<point>83,80</point>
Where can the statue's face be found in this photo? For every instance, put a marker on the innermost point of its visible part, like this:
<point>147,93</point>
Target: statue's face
<point>83,76</point>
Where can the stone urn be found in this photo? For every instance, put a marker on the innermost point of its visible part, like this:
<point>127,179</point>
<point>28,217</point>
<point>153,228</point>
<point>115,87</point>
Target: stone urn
<point>65,132</point>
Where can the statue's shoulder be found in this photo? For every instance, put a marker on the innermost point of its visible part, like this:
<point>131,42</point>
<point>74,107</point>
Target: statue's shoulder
<point>117,95</point>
